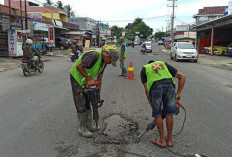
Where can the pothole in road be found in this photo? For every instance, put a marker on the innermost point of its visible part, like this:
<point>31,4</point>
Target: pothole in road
<point>118,130</point>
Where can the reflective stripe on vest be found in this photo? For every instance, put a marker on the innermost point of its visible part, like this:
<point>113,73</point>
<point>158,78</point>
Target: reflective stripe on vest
<point>157,71</point>
<point>93,72</point>
<point>125,53</point>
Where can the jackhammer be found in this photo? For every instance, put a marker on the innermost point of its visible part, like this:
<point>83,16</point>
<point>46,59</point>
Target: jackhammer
<point>93,95</point>
<point>152,124</point>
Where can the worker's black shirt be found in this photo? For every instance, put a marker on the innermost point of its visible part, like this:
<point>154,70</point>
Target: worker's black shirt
<point>171,69</point>
<point>89,60</point>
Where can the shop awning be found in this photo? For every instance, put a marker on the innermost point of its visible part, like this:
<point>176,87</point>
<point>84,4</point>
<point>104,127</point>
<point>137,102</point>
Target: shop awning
<point>61,27</point>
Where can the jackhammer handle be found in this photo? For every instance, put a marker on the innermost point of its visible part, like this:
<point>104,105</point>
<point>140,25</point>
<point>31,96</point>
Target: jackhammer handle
<point>95,84</point>
<point>95,114</point>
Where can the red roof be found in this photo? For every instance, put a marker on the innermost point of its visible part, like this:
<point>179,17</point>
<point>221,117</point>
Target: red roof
<point>211,10</point>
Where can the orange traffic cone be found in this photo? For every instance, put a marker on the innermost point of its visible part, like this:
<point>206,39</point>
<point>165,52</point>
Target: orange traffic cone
<point>130,74</point>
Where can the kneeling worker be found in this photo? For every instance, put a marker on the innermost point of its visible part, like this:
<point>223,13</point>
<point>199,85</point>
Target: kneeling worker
<point>159,83</point>
<point>88,69</point>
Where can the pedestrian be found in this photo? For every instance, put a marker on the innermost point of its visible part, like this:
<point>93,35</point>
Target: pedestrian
<point>88,69</point>
<point>159,83</point>
<point>122,56</point>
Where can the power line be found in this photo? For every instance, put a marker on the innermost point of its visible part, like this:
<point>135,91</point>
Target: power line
<point>149,18</point>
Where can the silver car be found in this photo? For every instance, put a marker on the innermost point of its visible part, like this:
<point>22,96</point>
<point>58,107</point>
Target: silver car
<point>183,51</point>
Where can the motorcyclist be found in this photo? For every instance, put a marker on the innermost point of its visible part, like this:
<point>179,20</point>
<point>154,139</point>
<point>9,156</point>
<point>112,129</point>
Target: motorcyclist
<point>32,52</point>
<point>75,48</point>
<point>144,46</point>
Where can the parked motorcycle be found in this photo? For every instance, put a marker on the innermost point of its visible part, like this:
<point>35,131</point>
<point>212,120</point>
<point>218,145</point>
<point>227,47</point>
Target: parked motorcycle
<point>75,55</point>
<point>29,66</point>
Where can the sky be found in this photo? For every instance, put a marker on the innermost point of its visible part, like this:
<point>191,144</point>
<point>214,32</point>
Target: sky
<point>155,13</point>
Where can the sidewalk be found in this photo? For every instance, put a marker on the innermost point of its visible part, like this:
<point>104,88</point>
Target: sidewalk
<point>222,62</point>
<point>13,63</point>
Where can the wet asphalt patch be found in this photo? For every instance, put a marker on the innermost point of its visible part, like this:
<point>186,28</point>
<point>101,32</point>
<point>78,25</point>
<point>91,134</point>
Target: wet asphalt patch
<point>118,130</point>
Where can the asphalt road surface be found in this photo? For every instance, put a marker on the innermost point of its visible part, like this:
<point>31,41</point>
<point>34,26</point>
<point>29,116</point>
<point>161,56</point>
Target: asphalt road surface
<point>38,117</point>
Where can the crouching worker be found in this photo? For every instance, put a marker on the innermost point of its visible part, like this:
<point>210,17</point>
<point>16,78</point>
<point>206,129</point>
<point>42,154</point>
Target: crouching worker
<point>88,69</point>
<point>159,83</point>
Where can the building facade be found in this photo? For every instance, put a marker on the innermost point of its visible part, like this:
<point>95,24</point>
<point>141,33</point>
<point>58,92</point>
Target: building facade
<point>209,13</point>
<point>84,23</point>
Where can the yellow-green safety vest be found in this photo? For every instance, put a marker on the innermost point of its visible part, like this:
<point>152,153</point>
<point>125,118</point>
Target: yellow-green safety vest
<point>157,74</point>
<point>93,72</point>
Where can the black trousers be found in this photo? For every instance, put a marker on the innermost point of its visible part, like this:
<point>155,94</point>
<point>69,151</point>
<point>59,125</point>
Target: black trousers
<point>79,97</point>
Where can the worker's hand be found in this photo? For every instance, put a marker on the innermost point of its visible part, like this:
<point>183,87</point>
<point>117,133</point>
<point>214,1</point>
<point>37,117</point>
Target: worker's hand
<point>120,59</point>
<point>91,82</point>
<point>178,97</point>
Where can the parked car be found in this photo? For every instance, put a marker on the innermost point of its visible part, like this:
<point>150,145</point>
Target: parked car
<point>229,50</point>
<point>48,46</point>
<point>160,42</point>
<point>110,45</point>
<point>183,51</point>
<point>61,43</point>
<point>219,48</point>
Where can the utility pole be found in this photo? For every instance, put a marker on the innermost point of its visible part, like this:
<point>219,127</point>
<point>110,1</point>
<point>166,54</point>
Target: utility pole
<point>98,32</point>
<point>26,24</point>
<point>9,11</point>
<point>172,18</point>
<point>21,14</point>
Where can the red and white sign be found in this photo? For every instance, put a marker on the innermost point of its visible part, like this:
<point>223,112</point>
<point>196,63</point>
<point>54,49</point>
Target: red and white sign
<point>12,42</point>
<point>182,28</point>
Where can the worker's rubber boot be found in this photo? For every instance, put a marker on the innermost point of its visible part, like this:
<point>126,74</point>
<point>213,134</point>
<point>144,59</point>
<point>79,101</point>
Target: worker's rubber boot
<point>124,72</point>
<point>83,131</point>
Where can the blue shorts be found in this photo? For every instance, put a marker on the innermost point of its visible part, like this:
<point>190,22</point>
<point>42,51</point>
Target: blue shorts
<point>163,98</point>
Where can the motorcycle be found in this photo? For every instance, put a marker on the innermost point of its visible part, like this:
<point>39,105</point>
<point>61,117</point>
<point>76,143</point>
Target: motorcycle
<point>132,44</point>
<point>75,55</point>
<point>143,50</point>
<point>29,66</point>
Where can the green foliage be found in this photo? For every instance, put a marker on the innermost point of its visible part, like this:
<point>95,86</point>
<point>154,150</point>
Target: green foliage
<point>60,5</point>
<point>159,35</point>
<point>69,11</point>
<point>48,3</point>
<point>138,26</point>
<point>117,31</point>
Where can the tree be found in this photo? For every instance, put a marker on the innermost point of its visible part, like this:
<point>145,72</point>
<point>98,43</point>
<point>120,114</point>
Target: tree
<point>117,31</point>
<point>69,11</point>
<point>60,5</point>
<point>138,26</point>
<point>48,3</point>
<point>159,35</point>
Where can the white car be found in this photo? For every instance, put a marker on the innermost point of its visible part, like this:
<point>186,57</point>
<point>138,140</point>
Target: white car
<point>148,46</point>
<point>183,51</point>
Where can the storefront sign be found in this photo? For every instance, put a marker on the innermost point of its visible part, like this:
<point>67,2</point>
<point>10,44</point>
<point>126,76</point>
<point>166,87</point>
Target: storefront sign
<point>182,28</point>
<point>15,21</point>
<point>12,40</point>
<point>51,34</point>
<point>57,23</point>
<point>40,26</point>
<point>34,15</point>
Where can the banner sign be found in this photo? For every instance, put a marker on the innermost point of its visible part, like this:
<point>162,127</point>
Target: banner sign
<point>182,28</point>
<point>34,15</point>
<point>15,21</point>
<point>12,41</point>
<point>40,26</point>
